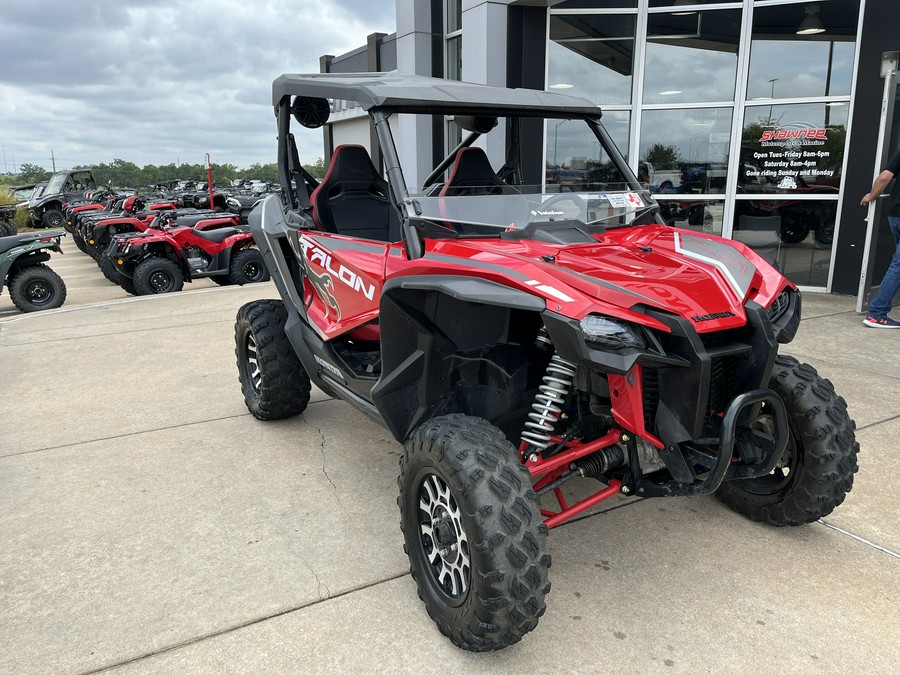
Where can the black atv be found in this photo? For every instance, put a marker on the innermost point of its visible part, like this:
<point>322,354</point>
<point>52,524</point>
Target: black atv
<point>65,187</point>
<point>32,285</point>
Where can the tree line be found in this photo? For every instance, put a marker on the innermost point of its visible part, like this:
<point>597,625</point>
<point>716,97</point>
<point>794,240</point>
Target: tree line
<point>123,174</point>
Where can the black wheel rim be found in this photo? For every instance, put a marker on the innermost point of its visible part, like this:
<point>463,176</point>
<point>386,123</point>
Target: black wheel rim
<point>161,281</point>
<point>443,541</point>
<point>253,270</point>
<point>251,363</point>
<point>54,219</point>
<point>784,473</point>
<point>39,292</point>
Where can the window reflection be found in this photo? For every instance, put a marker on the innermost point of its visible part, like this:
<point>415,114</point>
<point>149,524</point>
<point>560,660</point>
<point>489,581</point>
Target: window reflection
<point>595,4</point>
<point>698,215</point>
<point>686,150</point>
<point>670,3</point>
<point>795,149</point>
<point>784,64</point>
<point>575,159</point>
<point>794,234</point>
<point>591,56</point>
<point>691,57</point>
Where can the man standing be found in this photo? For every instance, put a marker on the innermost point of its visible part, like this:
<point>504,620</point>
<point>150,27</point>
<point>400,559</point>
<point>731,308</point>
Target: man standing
<point>882,302</point>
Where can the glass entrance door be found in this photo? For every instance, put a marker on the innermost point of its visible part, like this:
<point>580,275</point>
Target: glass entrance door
<point>880,244</point>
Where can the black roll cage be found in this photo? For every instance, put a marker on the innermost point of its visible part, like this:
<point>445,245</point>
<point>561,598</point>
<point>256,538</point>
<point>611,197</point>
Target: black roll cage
<point>382,95</point>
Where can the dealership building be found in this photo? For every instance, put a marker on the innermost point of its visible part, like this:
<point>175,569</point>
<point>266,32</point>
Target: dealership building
<point>759,120</point>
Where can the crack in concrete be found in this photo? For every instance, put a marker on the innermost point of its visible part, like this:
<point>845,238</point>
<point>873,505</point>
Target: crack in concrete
<point>319,583</point>
<point>325,458</point>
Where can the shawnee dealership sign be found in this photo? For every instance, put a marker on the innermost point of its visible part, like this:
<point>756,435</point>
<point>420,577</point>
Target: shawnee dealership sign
<point>787,157</point>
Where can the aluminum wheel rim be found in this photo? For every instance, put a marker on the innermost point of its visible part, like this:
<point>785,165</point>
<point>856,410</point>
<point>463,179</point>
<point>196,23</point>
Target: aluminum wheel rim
<point>443,538</point>
<point>253,364</point>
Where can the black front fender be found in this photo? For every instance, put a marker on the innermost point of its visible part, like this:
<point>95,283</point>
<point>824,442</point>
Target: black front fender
<point>454,344</point>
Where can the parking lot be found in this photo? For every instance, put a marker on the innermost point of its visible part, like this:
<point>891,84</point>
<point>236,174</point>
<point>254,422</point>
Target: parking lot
<point>150,524</point>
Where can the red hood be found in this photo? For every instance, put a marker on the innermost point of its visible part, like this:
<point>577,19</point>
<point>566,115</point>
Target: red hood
<point>676,271</point>
<point>702,278</point>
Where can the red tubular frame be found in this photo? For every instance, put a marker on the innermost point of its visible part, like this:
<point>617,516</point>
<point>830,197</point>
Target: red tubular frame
<point>548,470</point>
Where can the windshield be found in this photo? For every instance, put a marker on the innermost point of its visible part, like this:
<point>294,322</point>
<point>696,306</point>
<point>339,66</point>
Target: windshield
<point>56,183</point>
<point>515,208</point>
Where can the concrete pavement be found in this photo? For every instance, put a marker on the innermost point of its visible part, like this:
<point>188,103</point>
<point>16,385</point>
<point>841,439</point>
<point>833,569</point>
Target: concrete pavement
<point>150,524</point>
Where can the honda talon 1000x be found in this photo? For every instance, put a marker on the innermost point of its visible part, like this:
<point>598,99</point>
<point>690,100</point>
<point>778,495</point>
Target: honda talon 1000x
<point>516,339</point>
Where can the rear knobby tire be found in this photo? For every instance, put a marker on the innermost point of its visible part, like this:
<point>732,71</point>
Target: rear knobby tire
<point>817,467</point>
<point>248,267</point>
<point>462,486</point>
<point>273,380</point>
<point>37,287</point>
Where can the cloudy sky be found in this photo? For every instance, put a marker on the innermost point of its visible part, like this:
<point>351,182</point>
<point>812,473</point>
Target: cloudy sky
<point>160,81</point>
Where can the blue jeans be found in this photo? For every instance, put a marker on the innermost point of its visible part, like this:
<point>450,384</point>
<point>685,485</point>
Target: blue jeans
<point>882,302</point>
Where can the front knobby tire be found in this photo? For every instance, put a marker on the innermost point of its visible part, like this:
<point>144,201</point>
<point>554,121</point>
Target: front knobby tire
<point>473,532</point>
<point>816,470</point>
<point>157,275</point>
<point>273,380</point>
<point>108,267</point>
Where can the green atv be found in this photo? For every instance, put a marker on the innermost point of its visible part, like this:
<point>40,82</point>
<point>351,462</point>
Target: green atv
<point>32,285</point>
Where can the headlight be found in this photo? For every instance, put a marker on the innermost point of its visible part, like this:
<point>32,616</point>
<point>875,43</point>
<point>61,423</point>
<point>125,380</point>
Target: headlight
<point>202,200</point>
<point>610,333</point>
<point>234,203</point>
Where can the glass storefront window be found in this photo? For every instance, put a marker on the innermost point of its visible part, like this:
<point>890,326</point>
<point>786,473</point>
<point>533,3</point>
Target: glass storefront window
<point>591,56</point>
<point>796,149</point>
<point>454,15</point>
<point>595,4</point>
<point>785,64</point>
<point>703,215</point>
<point>691,57</point>
<point>454,58</point>
<point>575,159</point>
<point>793,233</point>
<point>676,3</point>
<point>686,151</point>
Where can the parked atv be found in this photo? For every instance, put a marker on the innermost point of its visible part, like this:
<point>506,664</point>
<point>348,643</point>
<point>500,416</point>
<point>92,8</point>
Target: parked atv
<point>514,340</point>
<point>7,220</point>
<point>46,209</point>
<point>161,259</point>
<point>32,285</point>
<point>102,232</point>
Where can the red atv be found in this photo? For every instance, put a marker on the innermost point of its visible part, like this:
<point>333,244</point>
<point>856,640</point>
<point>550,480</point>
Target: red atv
<point>91,228</point>
<point>183,248</point>
<point>515,340</point>
<point>99,232</point>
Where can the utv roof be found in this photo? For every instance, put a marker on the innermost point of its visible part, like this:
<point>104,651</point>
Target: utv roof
<point>419,94</point>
